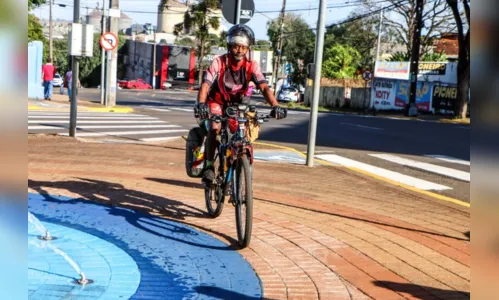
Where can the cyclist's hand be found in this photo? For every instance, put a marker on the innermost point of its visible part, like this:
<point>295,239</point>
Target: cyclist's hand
<point>278,112</point>
<point>202,110</point>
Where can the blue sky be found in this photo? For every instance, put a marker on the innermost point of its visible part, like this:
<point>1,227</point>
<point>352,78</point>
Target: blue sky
<point>257,23</point>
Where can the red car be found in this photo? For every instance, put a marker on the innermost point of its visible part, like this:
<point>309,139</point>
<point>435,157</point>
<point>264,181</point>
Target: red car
<point>139,84</point>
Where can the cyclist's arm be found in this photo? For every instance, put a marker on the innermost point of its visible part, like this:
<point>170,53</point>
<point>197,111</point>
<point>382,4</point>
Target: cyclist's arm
<point>208,80</point>
<point>261,83</point>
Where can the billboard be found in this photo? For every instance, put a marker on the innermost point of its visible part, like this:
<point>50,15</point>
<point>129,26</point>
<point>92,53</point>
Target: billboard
<point>423,95</point>
<point>383,94</point>
<point>444,97</point>
<point>392,70</point>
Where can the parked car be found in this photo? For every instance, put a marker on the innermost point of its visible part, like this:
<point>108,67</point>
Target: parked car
<point>288,94</point>
<point>58,80</point>
<point>138,84</point>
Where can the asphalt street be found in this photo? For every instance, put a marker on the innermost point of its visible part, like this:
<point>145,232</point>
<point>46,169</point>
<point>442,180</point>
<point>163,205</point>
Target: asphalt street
<point>436,153</point>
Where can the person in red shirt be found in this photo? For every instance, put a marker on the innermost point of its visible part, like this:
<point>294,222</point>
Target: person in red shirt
<point>227,81</point>
<point>48,73</point>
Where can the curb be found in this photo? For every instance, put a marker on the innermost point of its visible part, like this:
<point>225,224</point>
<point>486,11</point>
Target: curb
<point>430,194</point>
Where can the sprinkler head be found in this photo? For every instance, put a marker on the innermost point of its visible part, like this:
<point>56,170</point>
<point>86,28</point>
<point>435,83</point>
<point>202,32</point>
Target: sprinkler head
<point>83,281</point>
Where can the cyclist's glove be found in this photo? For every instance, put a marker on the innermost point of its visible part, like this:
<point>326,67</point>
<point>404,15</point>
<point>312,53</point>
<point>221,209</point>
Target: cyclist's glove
<point>202,111</point>
<point>278,112</point>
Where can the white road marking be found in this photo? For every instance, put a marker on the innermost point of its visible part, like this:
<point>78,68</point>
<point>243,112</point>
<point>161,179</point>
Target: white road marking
<point>461,175</point>
<point>118,133</point>
<point>450,159</point>
<point>160,139</point>
<point>362,126</point>
<point>85,117</point>
<point>391,175</point>
<point>95,122</point>
<point>181,109</point>
<point>156,109</point>
<point>102,127</point>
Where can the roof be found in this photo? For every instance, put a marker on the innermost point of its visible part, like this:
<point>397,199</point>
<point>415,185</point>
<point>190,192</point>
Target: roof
<point>95,13</point>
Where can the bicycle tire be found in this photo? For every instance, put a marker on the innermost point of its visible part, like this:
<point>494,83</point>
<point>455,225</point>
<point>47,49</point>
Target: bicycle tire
<point>217,190</point>
<point>244,227</point>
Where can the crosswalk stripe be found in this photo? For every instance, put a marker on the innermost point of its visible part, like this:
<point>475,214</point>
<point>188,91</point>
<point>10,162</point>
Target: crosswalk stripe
<point>120,133</point>
<point>450,159</point>
<point>96,118</point>
<point>54,113</point>
<point>181,109</point>
<point>96,122</point>
<point>44,127</point>
<point>391,175</point>
<point>453,173</point>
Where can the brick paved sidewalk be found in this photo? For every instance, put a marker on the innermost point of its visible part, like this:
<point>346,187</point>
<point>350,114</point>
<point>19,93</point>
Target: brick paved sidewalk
<point>321,233</point>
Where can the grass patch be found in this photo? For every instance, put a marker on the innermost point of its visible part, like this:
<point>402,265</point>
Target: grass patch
<point>294,105</point>
<point>466,121</point>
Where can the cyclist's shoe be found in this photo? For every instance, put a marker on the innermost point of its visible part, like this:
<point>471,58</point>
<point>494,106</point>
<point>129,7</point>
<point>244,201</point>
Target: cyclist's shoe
<point>209,175</point>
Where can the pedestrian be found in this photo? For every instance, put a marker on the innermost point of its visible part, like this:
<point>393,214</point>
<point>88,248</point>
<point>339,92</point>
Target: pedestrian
<point>68,79</point>
<point>48,73</point>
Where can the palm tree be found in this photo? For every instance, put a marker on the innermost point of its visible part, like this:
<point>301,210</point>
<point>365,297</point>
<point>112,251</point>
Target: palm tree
<point>200,17</point>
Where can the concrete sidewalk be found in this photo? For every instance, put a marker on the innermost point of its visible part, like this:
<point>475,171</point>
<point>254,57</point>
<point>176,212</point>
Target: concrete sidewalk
<point>319,233</point>
<point>61,103</point>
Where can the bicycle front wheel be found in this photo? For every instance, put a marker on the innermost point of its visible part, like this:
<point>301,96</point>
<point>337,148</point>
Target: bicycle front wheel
<point>244,200</point>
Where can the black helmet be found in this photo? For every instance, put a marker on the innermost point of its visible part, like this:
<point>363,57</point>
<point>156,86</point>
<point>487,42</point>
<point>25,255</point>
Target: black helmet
<point>242,31</point>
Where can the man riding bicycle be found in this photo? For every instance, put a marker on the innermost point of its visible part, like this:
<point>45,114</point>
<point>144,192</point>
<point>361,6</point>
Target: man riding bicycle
<point>226,82</point>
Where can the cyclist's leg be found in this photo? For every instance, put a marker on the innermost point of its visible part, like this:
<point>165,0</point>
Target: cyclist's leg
<point>213,131</point>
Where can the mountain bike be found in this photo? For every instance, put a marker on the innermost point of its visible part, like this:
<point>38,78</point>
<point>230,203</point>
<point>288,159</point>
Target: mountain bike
<point>233,168</point>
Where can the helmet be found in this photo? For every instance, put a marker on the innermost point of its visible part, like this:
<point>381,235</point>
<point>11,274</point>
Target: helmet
<point>240,34</point>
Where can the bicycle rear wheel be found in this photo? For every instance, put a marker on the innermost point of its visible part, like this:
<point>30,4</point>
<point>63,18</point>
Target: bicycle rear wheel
<point>215,193</point>
<point>244,200</point>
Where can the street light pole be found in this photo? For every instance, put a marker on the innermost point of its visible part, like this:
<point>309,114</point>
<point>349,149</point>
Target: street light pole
<point>51,31</point>
<point>319,49</point>
<point>74,84</point>
<point>238,11</point>
<point>103,85</point>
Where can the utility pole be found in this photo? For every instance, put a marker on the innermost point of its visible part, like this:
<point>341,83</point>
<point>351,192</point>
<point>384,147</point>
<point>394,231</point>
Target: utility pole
<point>277,60</point>
<point>378,48</point>
<point>154,63</point>
<point>51,31</point>
<point>113,65</point>
<point>238,11</point>
<point>412,110</point>
<point>319,49</point>
<point>74,83</point>
<point>103,86</point>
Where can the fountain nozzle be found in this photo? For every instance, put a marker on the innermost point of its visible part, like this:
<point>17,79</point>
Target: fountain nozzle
<point>83,280</point>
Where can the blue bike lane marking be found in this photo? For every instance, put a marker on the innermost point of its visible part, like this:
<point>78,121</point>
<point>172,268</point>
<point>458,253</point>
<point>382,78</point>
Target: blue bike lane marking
<point>168,260</point>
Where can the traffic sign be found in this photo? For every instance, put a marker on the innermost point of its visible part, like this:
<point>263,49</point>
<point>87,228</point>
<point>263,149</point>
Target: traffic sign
<point>108,41</point>
<point>229,11</point>
<point>367,75</point>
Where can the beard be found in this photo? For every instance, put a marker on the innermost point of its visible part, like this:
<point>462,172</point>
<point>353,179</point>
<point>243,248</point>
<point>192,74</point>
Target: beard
<point>237,56</point>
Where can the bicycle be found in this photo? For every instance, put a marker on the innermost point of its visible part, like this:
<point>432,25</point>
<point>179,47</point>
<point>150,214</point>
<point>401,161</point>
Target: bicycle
<point>234,168</point>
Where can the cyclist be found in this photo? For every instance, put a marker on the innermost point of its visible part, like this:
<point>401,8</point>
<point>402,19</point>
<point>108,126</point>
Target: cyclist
<point>226,82</point>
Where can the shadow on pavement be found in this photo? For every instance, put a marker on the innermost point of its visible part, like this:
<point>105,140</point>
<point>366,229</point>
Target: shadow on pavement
<point>362,220</point>
<point>123,202</point>
<point>177,183</point>
<point>422,292</point>
<point>220,293</point>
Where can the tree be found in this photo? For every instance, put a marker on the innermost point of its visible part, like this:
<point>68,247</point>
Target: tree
<point>35,29</point>
<point>263,45</point>
<point>463,67</point>
<point>340,61</point>
<point>437,18</point>
<point>298,43</point>
<point>34,3</point>
<point>186,41</point>
<point>200,18</point>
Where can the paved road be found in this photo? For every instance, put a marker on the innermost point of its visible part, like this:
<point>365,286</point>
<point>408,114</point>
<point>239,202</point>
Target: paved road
<point>427,155</point>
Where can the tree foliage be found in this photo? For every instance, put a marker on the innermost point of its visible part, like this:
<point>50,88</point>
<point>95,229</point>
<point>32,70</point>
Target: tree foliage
<point>437,19</point>
<point>298,43</point>
<point>428,57</point>
<point>199,19</point>
<point>35,3</point>
<point>340,61</point>
<point>35,29</point>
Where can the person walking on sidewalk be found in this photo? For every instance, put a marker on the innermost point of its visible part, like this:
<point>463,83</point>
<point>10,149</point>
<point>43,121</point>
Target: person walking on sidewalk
<point>228,81</point>
<point>48,73</point>
<point>68,78</point>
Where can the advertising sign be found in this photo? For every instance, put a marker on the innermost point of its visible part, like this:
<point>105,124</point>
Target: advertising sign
<point>432,68</point>
<point>423,95</point>
<point>383,94</point>
<point>444,97</point>
<point>392,70</point>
